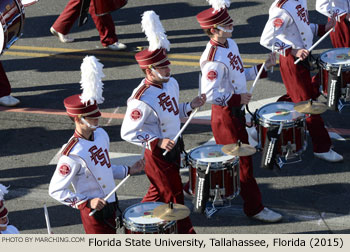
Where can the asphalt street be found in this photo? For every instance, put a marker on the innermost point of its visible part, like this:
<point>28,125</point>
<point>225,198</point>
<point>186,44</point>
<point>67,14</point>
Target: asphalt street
<point>313,195</point>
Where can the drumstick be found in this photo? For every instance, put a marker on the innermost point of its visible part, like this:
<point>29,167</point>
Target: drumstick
<point>316,44</point>
<point>256,80</point>
<point>183,127</point>
<point>47,219</point>
<point>111,193</point>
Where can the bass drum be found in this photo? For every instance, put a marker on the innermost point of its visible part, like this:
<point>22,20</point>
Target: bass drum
<point>103,7</point>
<point>12,21</point>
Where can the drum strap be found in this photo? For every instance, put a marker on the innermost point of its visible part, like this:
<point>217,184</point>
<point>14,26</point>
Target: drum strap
<point>83,17</point>
<point>333,90</point>
<point>270,149</point>
<point>202,190</point>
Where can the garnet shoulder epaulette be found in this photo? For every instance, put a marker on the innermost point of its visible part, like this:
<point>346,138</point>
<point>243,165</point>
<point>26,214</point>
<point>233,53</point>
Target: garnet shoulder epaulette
<point>280,3</point>
<point>140,92</point>
<point>70,146</point>
<point>211,54</point>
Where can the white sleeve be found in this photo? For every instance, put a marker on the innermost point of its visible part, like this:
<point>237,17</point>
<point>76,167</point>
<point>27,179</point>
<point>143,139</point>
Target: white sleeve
<point>325,7</point>
<point>120,171</point>
<point>314,29</point>
<point>67,168</point>
<point>135,118</point>
<point>270,33</point>
<point>185,109</point>
<point>251,73</point>
<point>213,74</point>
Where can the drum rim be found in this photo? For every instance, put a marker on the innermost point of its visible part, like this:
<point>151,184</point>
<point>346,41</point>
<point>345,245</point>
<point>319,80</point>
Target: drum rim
<point>132,226</point>
<point>287,123</point>
<point>328,66</point>
<point>216,165</point>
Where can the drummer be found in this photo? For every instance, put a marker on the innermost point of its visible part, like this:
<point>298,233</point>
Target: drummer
<point>293,34</point>
<point>341,8</point>
<point>224,82</point>
<point>153,119</point>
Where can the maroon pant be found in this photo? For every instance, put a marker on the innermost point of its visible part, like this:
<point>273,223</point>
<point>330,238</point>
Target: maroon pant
<point>228,129</point>
<point>104,24</point>
<point>5,87</point>
<point>166,185</point>
<point>341,37</point>
<point>91,225</point>
<point>300,87</point>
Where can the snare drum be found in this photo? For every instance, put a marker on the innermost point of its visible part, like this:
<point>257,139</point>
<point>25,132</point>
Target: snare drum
<point>223,171</point>
<point>292,141</point>
<point>329,62</point>
<point>12,20</point>
<point>139,219</point>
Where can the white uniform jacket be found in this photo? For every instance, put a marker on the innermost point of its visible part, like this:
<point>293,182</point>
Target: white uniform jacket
<point>328,7</point>
<point>153,112</point>
<point>288,27</point>
<point>86,166</point>
<point>10,230</point>
<point>223,73</point>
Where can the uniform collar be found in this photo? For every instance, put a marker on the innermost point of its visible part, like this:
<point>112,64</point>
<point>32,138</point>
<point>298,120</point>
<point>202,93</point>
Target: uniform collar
<point>216,43</point>
<point>157,85</point>
<point>78,135</point>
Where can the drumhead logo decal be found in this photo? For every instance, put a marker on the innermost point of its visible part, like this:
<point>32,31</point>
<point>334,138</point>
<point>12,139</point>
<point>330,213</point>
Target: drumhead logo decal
<point>282,112</point>
<point>212,75</point>
<point>215,154</point>
<point>136,114</point>
<point>64,170</point>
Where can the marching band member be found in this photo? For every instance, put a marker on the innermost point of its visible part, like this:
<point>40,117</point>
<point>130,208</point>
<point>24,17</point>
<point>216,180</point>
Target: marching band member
<point>104,24</point>
<point>85,162</point>
<point>292,36</point>
<point>153,119</point>
<point>5,90</point>
<point>224,82</point>
<point>340,8</point>
<point>5,228</point>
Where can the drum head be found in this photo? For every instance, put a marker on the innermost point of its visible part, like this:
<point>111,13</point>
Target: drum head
<point>210,154</point>
<point>275,113</point>
<point>142,213</point>
<point>335,57</point>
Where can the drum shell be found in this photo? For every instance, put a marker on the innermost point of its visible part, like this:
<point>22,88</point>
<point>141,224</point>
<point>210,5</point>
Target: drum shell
<point>293,130</point>
<point>222,175</point>
<point>163,227</point>
<point>12,21</point>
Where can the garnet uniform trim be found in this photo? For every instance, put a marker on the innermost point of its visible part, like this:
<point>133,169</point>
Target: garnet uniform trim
<point>70,146</point>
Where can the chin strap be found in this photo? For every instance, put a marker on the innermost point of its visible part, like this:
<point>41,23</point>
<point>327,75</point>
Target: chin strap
<point>223,29</point>
<point>5,225</point>
<point>88,124</point>
<point>159,75</point>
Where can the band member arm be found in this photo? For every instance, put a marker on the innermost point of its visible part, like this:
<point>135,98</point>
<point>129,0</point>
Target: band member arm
<point>214,76</point>
<point>140,124</point>
<point>67,169</point>
<point>325,7</point>
<point>120,171</point>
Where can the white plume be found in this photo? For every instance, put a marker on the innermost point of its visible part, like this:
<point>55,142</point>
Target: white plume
<point>91,84</point>
<point>154,31</point>
<point>3,191</point>
<point>219,4</point>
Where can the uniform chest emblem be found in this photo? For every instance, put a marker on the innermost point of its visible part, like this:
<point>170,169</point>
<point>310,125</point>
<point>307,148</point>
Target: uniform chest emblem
<point>136,114</point>
<point>302,14</point>
<point>212,75</point>
<point>235,62</point>
<point>64,170</point>
<point>168,104</point>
